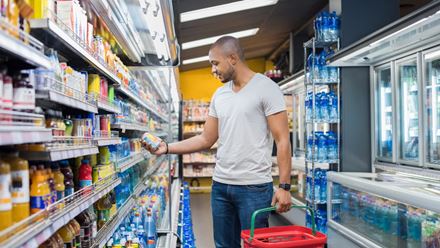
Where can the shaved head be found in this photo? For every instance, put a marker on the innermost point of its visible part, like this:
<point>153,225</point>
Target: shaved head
<point>229,45</point>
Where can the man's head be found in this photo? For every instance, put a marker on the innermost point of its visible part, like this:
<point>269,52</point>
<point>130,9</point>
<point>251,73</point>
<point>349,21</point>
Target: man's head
<point>225,55</point>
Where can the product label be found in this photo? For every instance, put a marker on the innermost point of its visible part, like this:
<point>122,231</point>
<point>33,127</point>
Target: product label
<point>5,193</point>
<point>39,202</point>
<point>85,183</point>
<point>85,232</point>
<point>20,186</point>
<point>68,192</point>
<point>24,98</point>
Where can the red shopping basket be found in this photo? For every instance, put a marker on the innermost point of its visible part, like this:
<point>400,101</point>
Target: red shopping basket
<point>283,236</point>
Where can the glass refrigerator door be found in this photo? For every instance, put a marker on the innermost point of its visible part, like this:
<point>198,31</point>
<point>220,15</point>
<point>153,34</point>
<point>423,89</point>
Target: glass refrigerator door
<point>433,106</point>
<point>384,109</point>
<point>409,110</point>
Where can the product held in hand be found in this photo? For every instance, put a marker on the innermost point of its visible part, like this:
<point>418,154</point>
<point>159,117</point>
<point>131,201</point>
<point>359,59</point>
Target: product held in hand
<point>151,140</point>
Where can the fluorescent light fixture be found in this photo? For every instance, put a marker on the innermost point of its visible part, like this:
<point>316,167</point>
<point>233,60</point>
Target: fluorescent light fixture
<point>299,81</point>
<point>399,31</point>
<point>432,55</point>
<point>195,60</point>
<point>224,9</point>
<point>211,40</point>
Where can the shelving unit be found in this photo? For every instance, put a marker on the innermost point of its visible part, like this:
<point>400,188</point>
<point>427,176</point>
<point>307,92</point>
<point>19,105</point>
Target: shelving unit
<point>33,231</point>
<point>15,135</point>
<point>59,154</point>
<point>128,162</point>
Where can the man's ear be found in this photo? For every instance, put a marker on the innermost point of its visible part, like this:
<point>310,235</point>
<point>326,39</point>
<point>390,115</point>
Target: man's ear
<point>233,59</point>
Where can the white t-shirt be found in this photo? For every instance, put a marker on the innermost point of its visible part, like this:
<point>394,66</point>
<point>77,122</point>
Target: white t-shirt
<point>244,155</point>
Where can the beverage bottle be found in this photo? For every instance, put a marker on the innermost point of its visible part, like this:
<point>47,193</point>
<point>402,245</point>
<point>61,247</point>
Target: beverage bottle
<point>93,219</point>
<point>323,186</point>
<point>51,183</point>
<point>20,186</point>
<point>310,61</point>
<point>103,206</point>
<point>308,106</point>
<point>58,240</point>
<point>317,104</point>
<point>113,209</point>
<point>40,192</point>
<point>85,174</point>
<point>68,236</point>
<point>151,233</point>
<point>58,178</point>
<point>323,71</point>
<point>68,177</point>
<point>86,229</point>
<point>321,147</point>
<point>50,243</point>
<point>325,27</point>
<point>5,195</point>
<point>318,24</point>
<point>316,68</point>
<point>323,107</point>
<point>77,232</point>
<point>317,189</point>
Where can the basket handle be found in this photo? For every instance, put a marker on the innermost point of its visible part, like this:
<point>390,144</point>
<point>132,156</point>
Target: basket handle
<point>259,211</point>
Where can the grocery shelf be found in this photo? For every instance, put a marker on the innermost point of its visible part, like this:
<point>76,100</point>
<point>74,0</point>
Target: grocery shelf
<point>54,96</point>
<point>32,53</point>
<point>138,100</point>
<point>64,40</point>
<point>128,162</point>
<point>106,232</point>
<point>200,189</point>
<point>36,229</point>
<point>110,107</point>
<point>130,126</point>
<point>107,141</point>
<point>319,44</point>
<point>59,154</point>
<point>15,135</point>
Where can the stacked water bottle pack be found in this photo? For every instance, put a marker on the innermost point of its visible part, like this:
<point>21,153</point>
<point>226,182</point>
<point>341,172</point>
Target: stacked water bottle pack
<point>319,192</point>
<point>327,27</point>
<point>185,228</point>
<point>138,229</point>
<point>326,107</point>
<point>317,69</point>
<point>323,148</point>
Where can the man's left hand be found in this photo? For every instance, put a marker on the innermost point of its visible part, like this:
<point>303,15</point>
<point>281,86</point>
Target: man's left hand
<point>283,200</point>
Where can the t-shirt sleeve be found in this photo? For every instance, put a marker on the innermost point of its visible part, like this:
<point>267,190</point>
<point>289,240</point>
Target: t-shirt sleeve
<point>212,110</point>
<point>273,100</point>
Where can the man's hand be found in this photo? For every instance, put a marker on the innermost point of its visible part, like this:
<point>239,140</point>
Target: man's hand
<point>162,149</point>
<point>283,199</point>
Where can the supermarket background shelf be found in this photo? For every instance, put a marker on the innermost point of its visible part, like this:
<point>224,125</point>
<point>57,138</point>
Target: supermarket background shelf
<point>111,108</point>
<point>66,42</point>
<point>144,104</point>
<point>51,96</point>
<point>67,153</point>
<point>43,227</point>
<point>33,55</point>
<point>15,135</point>
<point>131,127</point>
<point>107,141</point>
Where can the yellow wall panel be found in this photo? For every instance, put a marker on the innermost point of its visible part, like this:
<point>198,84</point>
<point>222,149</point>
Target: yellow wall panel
<point>199,84</point>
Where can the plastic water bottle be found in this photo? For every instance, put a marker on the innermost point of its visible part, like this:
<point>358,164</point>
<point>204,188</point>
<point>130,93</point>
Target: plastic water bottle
<point>322,147</point>
<point>324,75</point>
<point>318,25</point>
<point>323,187</point>
<point>332,153</point>
<point>317,191</point>
<point>316,69</point>
<point>335,25</point>
<point>308,103</point>
<point>310,61</point>
<point>326,27</point>
<point>323,108</point>
<point>332,107</point>
<point>151,234</point>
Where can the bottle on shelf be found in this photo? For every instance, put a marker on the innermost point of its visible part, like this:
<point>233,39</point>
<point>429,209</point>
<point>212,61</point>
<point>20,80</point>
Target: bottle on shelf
<point>40,192</point>
<point>68,236</point>
<point>85,174</point>
<point>68,177</point>
<point>59,182</point>
<point>5,195</point>
<point>77,232</point>
<point>20,186</point>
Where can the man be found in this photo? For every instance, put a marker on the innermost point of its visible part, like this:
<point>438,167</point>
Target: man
<point>242,116</point>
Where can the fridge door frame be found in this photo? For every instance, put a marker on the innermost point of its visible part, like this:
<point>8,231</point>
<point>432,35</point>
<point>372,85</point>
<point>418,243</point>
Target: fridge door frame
<point>398,112</point>
<point>427,164</point>
<point>375,127</point>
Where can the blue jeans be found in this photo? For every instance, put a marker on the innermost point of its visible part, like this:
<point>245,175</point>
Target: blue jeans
<point>232,208</point>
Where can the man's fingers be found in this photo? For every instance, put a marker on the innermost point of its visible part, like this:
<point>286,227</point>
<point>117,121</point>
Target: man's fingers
<point>274,200</point>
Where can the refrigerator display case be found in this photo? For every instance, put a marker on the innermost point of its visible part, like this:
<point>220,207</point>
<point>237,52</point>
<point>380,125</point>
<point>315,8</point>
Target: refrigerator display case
<point>432,79</point>
<point>383,210</point>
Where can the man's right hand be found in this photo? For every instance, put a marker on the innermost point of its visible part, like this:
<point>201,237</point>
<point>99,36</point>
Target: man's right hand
<point>162,149</point>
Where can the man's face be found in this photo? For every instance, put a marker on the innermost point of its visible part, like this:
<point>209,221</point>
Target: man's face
<point>221,66</point>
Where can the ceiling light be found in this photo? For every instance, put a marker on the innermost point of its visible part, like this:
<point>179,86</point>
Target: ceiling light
<point>224,9</point>
<point>195,60</point>
<point>211,40</point>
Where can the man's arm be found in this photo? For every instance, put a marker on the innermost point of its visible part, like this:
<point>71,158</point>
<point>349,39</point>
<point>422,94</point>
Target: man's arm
<point>197,143</point>
<point>279,128</point>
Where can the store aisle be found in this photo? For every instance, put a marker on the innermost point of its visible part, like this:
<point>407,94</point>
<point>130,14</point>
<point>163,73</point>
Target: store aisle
<point>202,219</point>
